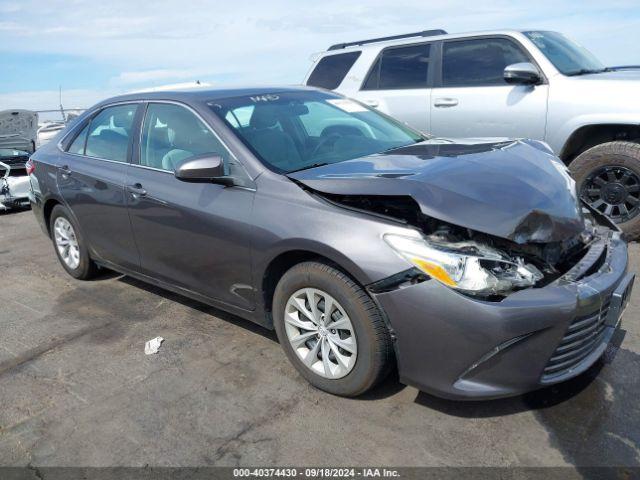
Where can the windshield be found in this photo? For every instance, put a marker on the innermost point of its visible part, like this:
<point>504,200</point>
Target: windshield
<point>566,55</point>
<point>296,130</point>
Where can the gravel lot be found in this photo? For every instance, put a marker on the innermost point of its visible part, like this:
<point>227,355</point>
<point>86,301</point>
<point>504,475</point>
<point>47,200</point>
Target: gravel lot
<point>77,390</point>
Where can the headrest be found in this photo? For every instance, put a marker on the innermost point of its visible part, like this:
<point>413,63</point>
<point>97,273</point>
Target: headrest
<point>123,119</point>
<point>264,116</point>
<point>183,129</point>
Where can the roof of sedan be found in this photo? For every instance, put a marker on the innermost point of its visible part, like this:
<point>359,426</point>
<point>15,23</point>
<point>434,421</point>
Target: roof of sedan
<point>205,94</point>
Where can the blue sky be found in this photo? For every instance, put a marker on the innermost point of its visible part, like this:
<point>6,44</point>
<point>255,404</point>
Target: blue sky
<point>95,49</point>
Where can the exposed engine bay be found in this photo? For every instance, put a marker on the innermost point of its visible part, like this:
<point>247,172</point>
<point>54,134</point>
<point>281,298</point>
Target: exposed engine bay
<point>511,266</point>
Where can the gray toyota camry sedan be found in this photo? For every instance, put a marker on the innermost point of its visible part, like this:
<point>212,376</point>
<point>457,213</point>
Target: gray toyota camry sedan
<point>468,265</point>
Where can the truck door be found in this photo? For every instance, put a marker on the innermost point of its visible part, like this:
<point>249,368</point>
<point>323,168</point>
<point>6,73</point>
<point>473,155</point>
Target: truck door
<point>471,98</point>
<point>397,84</point>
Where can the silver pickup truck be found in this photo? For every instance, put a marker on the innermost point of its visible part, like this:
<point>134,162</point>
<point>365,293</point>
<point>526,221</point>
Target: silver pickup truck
<point>533,84</point>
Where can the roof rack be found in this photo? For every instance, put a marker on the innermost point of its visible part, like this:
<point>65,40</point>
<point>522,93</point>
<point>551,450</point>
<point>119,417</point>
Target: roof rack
<point>424,33</point>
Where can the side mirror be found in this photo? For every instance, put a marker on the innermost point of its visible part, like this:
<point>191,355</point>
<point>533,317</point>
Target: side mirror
<point>524,73</point>
<point>203,169</point>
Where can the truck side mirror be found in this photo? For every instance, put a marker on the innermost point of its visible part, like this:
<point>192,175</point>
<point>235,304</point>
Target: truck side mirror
<point>524,73</point>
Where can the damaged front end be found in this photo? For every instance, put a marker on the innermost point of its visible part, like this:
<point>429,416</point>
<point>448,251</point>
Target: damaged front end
<point>488,219</point>
<point>14,181</point>
<point>490,267</point>
<point>474,263</point>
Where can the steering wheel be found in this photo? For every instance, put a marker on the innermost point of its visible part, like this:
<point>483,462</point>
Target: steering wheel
<point>332,137</point>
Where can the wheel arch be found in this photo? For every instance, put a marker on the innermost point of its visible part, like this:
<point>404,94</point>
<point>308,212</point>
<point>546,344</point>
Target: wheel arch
<point>285,259</point>
<point>588,136</point>
<point>47,208</point>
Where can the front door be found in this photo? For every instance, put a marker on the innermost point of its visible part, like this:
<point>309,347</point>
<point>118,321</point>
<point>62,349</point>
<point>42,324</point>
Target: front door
<point>471,98</point>
<point>91,179</point>
<point>192,235</point>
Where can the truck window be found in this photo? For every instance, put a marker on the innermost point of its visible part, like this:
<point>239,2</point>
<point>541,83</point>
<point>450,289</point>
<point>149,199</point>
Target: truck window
<point>478,62</point>
<point>400,68</point>
<point>332,69</point>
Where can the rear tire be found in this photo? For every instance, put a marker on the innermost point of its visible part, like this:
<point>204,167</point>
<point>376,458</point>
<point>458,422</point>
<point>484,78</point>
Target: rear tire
<point>363,325</point>
<point>69,245</point>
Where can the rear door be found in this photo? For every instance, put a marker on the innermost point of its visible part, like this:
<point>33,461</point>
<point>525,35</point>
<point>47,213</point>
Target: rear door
<point>91,177</point>
<point>196,236</point>
<point>398,84</point>
<point>471,99</point>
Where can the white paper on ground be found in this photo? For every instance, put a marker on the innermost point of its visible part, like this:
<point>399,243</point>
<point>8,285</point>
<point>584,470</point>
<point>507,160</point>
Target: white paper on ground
<point>153,345</point>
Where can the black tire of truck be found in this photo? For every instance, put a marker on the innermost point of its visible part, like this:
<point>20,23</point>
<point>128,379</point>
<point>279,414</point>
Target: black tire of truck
<point>622,159</point>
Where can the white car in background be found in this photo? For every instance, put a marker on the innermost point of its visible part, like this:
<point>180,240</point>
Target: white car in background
<point>18,140</point>
<point>14,179</point>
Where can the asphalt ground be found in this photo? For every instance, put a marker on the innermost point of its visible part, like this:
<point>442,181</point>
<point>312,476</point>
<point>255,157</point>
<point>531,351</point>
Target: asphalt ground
<point>76,388</point>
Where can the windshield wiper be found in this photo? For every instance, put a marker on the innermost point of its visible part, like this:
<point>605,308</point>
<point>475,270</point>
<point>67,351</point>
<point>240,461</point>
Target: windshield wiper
<point>586,71</point>
<point>313,165</point>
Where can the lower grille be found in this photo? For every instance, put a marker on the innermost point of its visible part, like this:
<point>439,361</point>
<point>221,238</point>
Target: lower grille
<point>582,337</point>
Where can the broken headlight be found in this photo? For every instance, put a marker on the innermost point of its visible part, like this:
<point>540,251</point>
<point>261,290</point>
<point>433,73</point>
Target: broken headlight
<point>467,266</point>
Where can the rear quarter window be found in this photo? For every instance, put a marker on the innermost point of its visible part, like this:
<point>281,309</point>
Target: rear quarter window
<point>331,70</point>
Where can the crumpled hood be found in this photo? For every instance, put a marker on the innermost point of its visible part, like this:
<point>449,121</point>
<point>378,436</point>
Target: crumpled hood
<point>511,189</point>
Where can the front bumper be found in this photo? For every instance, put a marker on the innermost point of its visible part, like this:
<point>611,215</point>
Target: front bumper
<point>458,347</point>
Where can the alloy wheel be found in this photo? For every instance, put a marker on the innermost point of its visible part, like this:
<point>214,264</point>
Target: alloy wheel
<point>66,242</point>
<point>320,333</point>
<point>613,191</point>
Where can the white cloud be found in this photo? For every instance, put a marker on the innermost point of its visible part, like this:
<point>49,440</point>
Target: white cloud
<point>9,7</point>
<point>49,99</point>
<point>159,75</point>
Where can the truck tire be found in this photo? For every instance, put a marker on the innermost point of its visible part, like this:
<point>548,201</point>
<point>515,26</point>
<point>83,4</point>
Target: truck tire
<point>344,351</point>
<point>608,178</point>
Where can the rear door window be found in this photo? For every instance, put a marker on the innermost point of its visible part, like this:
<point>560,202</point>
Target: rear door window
<point>332,69</point>
<point>77,146</point>
<point>400,68</point>
<point>109,133</point>
<point>479,62</point>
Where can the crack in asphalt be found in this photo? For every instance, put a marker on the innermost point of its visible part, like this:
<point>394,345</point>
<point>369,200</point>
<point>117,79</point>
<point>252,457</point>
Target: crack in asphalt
<point>36,471</point>
<point>40,350</point>
<point>235,441</point>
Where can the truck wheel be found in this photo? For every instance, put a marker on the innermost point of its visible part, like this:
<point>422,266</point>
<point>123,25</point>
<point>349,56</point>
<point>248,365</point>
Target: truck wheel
<point>608,179</point>
<point>331,330</point>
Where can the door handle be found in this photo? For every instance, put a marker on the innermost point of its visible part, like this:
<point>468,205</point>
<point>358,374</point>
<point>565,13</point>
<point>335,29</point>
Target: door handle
<point>445,102</point>
<point>136,190</point>
<point>65,171</point>
<point>371,103</point>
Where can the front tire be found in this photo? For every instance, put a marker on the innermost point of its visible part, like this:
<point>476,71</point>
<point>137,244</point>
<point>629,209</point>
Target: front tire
<point>345,350</point>
<point>608,179</point>
<point>69,245</point>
